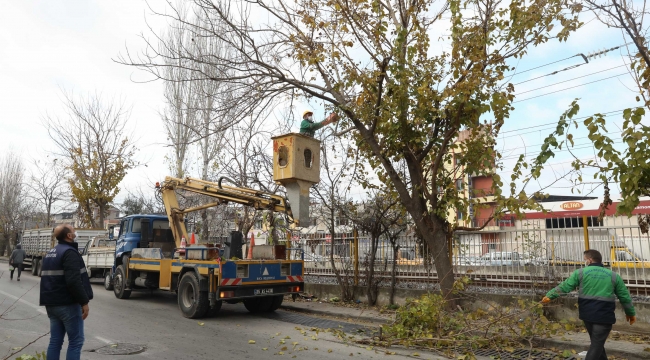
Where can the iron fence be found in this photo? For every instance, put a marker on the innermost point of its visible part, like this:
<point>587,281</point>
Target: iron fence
<point>536,253</point>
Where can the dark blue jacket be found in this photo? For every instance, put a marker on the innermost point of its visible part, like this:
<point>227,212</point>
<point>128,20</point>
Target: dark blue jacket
<point>64,279</point>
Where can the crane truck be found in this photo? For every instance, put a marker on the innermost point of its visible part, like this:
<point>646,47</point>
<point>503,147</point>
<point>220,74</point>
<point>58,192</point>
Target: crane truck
<point>151,252</point>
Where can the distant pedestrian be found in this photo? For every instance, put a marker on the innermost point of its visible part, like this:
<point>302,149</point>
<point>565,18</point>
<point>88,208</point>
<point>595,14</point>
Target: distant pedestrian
<point>598,287</point>
<point>65,293</point>
<point>16,262</point>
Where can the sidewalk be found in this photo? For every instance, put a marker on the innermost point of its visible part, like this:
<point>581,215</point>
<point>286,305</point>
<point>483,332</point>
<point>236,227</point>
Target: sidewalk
<point>577,342</point>
<point>337,311</point>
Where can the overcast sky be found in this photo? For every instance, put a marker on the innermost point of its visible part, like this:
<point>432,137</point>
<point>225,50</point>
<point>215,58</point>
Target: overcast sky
<point>47,46</point>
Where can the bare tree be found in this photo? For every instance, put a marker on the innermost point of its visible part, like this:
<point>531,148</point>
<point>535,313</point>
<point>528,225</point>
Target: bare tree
<point>380,216</point>
<point>47,186</point>
<point>333,195</point>
<point>138,202</point>
<point>246,161</point>
<point>14,203</point>
<point>180,113</point>
<point>93,142</point>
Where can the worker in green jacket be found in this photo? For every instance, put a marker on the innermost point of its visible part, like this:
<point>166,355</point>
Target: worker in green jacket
<point>308,126</point>
<point>598,287</point>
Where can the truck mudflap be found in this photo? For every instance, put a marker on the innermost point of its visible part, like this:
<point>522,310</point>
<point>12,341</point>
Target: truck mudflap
<point>258,290</point>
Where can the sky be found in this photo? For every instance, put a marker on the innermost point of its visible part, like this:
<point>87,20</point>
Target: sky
<point>49,47</point>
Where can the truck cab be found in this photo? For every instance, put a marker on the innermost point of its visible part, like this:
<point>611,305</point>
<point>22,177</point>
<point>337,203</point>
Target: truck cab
<point>131,228</point>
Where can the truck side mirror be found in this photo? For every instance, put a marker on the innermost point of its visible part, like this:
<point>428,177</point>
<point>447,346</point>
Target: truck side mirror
<point>111,232</point>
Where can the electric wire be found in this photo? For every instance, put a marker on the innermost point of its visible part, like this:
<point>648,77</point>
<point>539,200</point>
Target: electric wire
<point>552,125</point>
<point>585,58</point>
<point>569,88</point>
<point>575,78</point>
<point>535,145</point>
<point>556,151</point>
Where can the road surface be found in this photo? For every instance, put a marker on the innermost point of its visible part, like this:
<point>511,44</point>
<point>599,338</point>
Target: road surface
<point>153,321</point>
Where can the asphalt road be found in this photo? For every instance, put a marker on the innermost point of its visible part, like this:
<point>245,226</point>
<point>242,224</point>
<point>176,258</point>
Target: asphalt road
<point>154,321</point>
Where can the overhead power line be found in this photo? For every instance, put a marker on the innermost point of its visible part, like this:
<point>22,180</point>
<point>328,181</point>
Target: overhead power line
<point>554,123</point>
<point>585,58</point>
<point>569,88</point>
<point>575,78</point>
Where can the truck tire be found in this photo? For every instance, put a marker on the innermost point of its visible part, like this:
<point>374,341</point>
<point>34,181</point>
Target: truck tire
<point>277,302</point>
<point>192,301</point>
<point>108,282</point>
<point>34,265</point>
<point>119,284</point>
<point>258,305</point>
<point>213,311</point>
<point>39,267</point>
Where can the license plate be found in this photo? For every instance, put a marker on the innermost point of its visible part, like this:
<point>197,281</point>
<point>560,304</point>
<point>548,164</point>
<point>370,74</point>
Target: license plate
<point>262,291</point>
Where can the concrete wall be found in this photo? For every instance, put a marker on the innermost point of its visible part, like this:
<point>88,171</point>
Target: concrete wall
<point>563,308</point>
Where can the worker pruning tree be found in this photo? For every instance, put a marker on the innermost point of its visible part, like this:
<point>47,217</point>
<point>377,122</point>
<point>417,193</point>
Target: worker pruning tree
<point>97,151</point>
<point>407,76</point>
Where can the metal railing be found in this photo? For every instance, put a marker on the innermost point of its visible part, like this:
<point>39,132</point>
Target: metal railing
<point>534,254</point>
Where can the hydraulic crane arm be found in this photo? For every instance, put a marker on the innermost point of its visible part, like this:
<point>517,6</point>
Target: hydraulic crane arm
<point>224,194</point>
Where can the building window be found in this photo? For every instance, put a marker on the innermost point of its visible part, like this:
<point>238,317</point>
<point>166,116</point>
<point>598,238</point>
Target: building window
<point>574,222</point>
<point>460,185</point>
<point>460,215</point>
<point>341,221</point>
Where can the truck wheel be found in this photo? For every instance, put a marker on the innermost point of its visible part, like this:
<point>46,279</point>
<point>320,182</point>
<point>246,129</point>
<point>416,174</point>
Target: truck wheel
<point>34,265</point>
<point>276,303</point>
<point>258,305</point>
<point>39,268</point>
<point>192,301</point>
<point>108,282</point>
<point>213,311</point>
<point>119,284</point>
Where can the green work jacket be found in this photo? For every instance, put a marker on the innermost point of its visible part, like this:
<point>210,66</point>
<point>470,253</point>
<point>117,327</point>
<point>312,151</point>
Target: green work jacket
<point>598,288</point>
<point>309,128</point>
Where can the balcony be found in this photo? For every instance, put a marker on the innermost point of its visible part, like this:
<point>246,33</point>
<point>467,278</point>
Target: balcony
<point>490,224</point>
<point>483,195</point>
<point>505,222</point>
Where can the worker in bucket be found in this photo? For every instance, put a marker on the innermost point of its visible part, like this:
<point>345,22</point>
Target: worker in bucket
<point>308,126</point>
<point>598,289</point>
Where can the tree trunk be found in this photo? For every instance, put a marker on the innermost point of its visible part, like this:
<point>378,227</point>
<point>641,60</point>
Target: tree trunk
<point>371,290</point>
<point>205,229</point>
<point>393,274</point>
<point>434,233</point>
<point>102,214</point>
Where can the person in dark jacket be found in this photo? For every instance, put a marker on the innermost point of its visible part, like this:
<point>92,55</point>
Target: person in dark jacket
<point>16,261</point>
<point>65,293</point>
<point>596,302</point>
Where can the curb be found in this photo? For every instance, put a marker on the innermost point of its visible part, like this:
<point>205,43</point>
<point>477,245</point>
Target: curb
<point>569,345</point>
<point>368,318</point>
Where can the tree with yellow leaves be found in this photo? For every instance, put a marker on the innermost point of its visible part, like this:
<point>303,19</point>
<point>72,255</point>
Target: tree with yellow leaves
<point>97,150</point>
<point>406,75</point>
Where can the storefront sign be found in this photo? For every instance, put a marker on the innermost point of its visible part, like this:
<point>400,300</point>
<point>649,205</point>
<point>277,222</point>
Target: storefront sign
<point>571,205</point>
